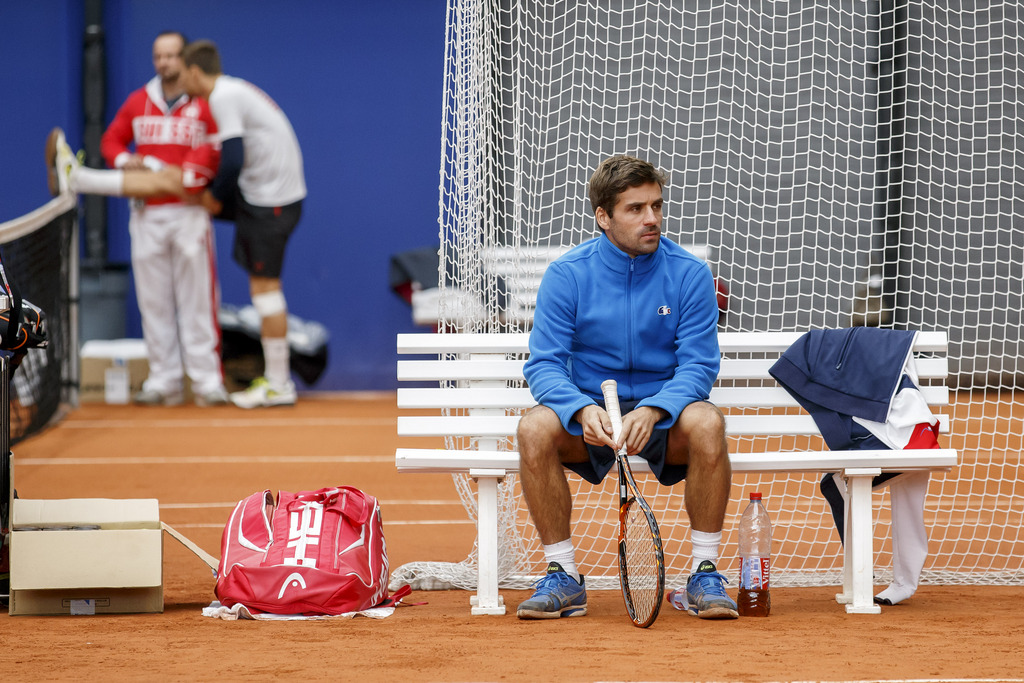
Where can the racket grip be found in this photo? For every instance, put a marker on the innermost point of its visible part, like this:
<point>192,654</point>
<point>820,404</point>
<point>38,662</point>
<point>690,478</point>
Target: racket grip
<point>610,389</point>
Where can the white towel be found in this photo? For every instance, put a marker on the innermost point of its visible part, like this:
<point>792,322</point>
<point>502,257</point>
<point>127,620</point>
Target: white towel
<point>239,611</point>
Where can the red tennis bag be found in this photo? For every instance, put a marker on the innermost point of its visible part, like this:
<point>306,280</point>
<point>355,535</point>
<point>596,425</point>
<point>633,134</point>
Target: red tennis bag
<point>315,552</point>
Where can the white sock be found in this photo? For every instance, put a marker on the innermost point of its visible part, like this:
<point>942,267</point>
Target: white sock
<point>705,547</point>
<point>107,182</point>
<point>564,553</point>
<point>275,361</point>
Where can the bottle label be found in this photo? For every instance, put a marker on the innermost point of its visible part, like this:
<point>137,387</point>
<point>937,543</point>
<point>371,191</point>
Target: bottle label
<point>754,573</point>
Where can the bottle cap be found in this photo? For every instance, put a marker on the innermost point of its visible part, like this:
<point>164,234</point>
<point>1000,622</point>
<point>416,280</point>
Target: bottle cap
<point>755,496</point>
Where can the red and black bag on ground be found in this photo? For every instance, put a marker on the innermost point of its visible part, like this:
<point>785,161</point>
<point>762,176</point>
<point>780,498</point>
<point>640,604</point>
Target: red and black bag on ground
<point>313,553</point>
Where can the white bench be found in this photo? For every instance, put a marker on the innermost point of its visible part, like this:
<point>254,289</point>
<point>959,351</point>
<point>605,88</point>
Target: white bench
<point>482,373</point>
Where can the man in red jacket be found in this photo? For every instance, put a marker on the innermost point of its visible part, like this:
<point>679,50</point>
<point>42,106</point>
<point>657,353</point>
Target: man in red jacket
<point>171,240</point>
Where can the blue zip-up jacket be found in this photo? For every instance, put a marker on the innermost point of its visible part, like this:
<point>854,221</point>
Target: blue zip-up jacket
<point>836,375</point>
<point>650,323</point>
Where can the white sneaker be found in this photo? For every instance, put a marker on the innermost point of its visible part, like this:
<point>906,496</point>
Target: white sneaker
<point>216,397</point>
<point>261,394</point>
<point>152,397</point>
<point>61,163</point>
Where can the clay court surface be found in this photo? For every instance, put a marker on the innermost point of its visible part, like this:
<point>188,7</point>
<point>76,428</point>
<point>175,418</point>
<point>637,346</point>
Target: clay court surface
<point>199,462</point>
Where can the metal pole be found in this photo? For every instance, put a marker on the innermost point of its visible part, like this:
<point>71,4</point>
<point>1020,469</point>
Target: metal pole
<point>93,108</point>
<point>6,475</point>
<point>893,42</point>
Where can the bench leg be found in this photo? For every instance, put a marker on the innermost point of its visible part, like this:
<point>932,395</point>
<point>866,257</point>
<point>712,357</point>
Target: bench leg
<point>487,600</point>
<point>858,550</point>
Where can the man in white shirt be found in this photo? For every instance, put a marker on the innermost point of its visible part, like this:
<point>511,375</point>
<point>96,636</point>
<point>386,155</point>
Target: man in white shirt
<point>260,185</point>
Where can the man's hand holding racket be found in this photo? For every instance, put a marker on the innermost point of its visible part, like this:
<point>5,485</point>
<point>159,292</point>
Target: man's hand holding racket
<point>637,427</point>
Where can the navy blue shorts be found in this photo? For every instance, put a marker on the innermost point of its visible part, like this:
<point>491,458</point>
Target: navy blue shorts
<point>602,458</point>
<point>261,233</point>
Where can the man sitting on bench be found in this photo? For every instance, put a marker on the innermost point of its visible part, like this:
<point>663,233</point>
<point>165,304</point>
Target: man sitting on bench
<point>632,306</point>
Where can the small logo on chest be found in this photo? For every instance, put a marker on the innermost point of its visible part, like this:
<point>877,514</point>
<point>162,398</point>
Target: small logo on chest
<point>664,310</point>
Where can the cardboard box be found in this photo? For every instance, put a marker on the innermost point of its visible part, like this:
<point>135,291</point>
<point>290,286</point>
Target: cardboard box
<point>86,556</point>
<point>112,370</point>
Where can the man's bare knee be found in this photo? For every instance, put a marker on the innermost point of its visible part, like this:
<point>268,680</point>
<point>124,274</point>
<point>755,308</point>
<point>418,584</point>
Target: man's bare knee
<point>699,433</point>
<point>704,421</point>
<point>536,433</point>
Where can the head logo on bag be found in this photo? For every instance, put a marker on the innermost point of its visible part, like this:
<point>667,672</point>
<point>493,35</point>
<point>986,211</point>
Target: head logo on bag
<point>293,580</point>
<point>317,552</point>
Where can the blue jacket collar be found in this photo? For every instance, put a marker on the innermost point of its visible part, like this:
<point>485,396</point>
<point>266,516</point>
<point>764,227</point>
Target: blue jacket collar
<point>619,261</point>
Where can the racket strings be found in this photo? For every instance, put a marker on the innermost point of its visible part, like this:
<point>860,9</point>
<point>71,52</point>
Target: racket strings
<point>643,566</point>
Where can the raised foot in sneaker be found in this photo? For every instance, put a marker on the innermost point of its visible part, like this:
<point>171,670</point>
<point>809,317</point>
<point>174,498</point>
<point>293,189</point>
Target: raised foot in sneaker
<point>705,594</point>
<point>557,595</point>
<point>261,394</point>
<point>60,162</point>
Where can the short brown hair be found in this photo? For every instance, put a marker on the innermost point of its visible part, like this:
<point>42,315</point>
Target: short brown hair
<point>617,174</point>
<point>203,53</point>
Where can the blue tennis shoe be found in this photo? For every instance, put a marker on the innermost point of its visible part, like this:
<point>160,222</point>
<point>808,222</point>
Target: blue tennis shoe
<point>557,595</point>
<point>705,594</point>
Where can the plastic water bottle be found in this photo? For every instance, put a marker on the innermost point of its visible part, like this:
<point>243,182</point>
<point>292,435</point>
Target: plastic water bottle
<point>755,534</point>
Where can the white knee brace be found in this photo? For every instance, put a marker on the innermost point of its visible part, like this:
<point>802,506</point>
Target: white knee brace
<point>269,303</point>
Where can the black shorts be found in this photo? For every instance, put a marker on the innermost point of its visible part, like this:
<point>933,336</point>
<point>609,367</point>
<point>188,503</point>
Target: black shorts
<point>602,458</point>
<point>261,233</point>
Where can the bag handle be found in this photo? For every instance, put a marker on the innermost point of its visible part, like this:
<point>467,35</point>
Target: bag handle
<point>355,505</point>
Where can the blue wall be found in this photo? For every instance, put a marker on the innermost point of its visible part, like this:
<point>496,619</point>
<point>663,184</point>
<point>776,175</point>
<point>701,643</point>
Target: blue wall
<point>361,83</point>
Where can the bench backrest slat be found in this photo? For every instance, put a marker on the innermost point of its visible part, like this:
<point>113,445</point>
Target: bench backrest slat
<point>418,370</point>
<point>520,397</point>
<point>499,368</point>
<point>518,342</point>
<point>757,368</point>
<point>487,397</point>
<point>505,425</point>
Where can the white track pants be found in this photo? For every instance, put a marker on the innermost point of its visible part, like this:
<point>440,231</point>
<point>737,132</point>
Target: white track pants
<point>909,536</point>
<point>174,265</point>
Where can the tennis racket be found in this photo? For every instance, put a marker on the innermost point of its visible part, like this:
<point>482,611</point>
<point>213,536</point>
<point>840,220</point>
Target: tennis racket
<point>641,557</point>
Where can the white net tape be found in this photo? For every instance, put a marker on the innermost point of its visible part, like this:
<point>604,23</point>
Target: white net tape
<point>836,162</point>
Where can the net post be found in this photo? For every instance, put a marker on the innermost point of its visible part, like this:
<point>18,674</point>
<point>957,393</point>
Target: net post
<point>72,361</point>
<point>6,475</point>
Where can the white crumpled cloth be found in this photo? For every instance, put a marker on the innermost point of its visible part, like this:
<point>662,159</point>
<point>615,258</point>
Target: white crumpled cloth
<point>238,611</point>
